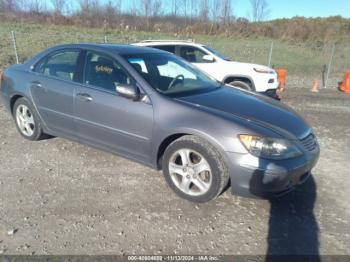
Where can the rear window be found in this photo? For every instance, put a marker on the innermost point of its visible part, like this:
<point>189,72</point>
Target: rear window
<point>168,48</point>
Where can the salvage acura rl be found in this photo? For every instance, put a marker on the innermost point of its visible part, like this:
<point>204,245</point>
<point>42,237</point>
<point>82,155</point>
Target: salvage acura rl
<point>155,108</point>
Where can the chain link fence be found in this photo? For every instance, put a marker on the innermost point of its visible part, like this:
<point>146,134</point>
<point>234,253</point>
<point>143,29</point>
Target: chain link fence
<point>304,62</point>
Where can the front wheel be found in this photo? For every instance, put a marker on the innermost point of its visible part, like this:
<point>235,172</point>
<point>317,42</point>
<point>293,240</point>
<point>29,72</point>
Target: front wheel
<point>194,169</point>
<point>241,84</point>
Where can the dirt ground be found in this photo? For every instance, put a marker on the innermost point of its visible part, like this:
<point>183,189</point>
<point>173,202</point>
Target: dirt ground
<point>60,197</point>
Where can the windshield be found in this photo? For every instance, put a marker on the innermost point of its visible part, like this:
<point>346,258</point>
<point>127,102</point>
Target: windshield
<point>217,53</point>
<point>170,75</point>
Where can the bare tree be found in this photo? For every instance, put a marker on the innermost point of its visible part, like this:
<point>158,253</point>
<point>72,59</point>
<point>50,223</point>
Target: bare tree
<point>182,8</point>
<point>146,8</point>
<point>226,11</point>
<point>259,10</point>
<point>113,8</point>
<point>134,8</point>
<point>9,5</point>
<point>149,8</point>
<point>194,9</point>
<point>215,10</point>
<point>111,12</point>
<point>35,6</point>
<point>85,7</point>
<point>156,8</point>
<point>174,7</point>
<point>204,10</point>
<point>58,6</point>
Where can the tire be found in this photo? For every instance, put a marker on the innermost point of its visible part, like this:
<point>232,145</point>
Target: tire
<point>187,180</point>
<point>241,84</point>
<point>27,120</point>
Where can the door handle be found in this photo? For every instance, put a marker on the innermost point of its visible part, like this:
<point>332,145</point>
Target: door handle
<point>36,84</point>
<point>84,97</point>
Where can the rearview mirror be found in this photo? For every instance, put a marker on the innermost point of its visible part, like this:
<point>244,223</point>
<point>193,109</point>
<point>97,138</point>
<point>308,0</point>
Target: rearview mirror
<point>208,58</point>
<point>129,91</point>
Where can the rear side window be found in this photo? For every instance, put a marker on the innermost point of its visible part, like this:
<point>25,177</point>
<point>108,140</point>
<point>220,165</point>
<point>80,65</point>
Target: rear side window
<point>104,72</point>
<point>192,54</point>
<point>60,64</point>
<point>168,48</point>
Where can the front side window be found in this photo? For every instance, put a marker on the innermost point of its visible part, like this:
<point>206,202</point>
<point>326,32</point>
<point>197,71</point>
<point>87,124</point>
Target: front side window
<point>104,72</point>
<point>60,64</point>
<point>217,53</point>
<point>170,75</point>
<point>192,54</point>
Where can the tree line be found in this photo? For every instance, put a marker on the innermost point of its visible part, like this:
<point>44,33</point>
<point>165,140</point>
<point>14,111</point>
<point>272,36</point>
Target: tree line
<point>180,17</point>
<point>215,11</point>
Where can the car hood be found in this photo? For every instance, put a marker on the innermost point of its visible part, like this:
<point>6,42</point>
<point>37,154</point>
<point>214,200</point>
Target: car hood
<point>259,109</point>
<point>246,67</point>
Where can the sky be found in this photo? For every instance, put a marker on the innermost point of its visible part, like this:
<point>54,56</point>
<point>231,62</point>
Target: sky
<point>307,8</point>
<point>279,8</point>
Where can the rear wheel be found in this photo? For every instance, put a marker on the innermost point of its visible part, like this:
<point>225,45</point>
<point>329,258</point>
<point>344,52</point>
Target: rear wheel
<point>242,84</point>
<point>194,169</point>
<point>27,121</point>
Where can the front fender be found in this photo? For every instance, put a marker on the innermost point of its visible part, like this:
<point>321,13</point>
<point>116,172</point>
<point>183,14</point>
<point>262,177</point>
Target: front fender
<point>182,120</point>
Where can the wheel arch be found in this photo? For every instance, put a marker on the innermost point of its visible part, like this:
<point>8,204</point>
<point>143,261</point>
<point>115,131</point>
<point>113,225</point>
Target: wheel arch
<point>164,145</point>
<point>243,78</point>
<point>13,100</point>
<point>14,97</point>
<point>176,135</point>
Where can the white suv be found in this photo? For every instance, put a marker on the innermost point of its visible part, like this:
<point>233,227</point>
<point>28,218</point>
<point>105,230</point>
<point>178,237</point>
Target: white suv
<point>252,77</point>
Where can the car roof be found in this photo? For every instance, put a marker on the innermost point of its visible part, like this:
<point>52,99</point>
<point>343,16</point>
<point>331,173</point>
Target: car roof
<point>118,48</point>
<point>114,48</point>
<point>166,42</point>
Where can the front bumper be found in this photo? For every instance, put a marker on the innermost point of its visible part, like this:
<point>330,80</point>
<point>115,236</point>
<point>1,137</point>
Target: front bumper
<point>260,178</point>
<point>271,93</point>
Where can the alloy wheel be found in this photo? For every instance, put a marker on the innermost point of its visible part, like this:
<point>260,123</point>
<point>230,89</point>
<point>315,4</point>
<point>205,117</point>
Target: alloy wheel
<point>190,172</point>
<point>25,120</point>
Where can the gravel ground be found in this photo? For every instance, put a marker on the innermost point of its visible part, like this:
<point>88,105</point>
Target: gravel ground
<point>60,197</point>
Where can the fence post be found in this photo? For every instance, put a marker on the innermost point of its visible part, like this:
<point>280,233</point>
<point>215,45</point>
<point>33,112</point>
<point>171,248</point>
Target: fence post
<point>324,70</point>
<point>15,45</point>
<point>329,66</point>
<point>270,55</point>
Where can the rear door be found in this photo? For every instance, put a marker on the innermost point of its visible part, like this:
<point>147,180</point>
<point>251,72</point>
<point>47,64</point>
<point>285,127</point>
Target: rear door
<point>52,89</point>
<point>106,119</point>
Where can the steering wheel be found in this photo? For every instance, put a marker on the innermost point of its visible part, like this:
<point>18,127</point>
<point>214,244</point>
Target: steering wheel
<point>178,77</point>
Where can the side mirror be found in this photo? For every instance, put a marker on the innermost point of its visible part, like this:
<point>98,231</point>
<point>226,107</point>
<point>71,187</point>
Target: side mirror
<point>129,91</point>
<point>208,58</point>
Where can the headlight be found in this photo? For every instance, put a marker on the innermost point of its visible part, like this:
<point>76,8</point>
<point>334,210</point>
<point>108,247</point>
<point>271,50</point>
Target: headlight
<point>264,71</point>
<point>270,148</point>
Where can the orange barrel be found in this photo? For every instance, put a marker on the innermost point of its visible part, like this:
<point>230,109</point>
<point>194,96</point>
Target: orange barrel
<point>282,74</point>
<point>345,86</point>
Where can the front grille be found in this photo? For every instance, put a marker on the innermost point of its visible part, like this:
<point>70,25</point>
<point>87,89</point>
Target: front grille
<point>309,142</point>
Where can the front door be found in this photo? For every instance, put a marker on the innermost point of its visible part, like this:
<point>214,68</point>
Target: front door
<point>106,119</point>
<point>195,56</point>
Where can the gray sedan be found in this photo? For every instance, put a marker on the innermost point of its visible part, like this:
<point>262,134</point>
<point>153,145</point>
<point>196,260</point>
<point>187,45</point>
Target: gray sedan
<point>154,108</point>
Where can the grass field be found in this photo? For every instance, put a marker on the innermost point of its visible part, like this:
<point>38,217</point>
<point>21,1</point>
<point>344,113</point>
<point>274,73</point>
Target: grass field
<point>304,61</point>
